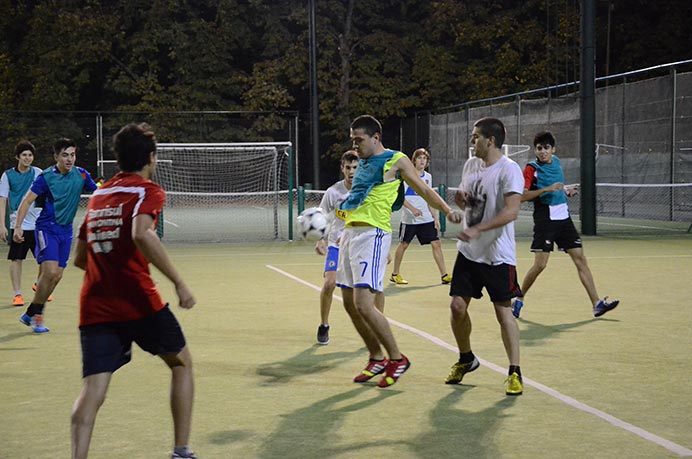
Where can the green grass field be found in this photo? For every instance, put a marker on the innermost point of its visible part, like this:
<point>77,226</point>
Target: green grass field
<point>612,387</point>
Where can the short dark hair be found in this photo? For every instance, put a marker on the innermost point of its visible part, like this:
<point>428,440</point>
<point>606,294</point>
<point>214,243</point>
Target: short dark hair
<point>492,127</point>
<point>349,157</point>
<point>368,124</point>
<point>63,144</point>
<point>23,145</point>
<point>544,137</point>
<point>132,145</point>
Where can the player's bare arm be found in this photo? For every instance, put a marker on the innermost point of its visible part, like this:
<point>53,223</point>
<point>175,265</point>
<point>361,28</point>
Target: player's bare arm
<point>411,176</point>
<point>530,195</point>
<point>508,214</point>
<point>3,228</point>
<point>80,254</point>
<point>461,198</point>
<point>320,247</point>
<point>146,240</point>
<point>21,213</point>
<point>416,212</point>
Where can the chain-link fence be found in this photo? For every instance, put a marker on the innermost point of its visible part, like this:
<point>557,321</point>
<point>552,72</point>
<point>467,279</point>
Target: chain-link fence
<point>644,143</point>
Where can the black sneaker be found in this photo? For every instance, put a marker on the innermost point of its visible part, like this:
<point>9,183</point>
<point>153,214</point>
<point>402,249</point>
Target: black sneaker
<point>323,334</point>
<point>604,306</point>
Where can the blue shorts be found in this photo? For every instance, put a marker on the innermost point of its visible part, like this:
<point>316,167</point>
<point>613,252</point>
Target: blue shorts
<point>108,346</point>
<point>53,245</point>
<point>332,261</point>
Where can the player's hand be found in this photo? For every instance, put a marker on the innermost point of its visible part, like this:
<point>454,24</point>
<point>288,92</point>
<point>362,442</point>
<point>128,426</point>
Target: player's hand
<point>18,235</point>
<point>461,198</point>
<point>320,247</point>
<point>3,233</point>
<point>469,233</point>
<point>571,190</point>
<point>187,301</point>
<point>416,212</point>
<point>454,217</point>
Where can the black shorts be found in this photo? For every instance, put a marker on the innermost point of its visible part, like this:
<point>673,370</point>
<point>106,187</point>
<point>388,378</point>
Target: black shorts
<point>108,346</point>
<point>18,250</point>
<point>425,232</point>
<point>560,232</point>
<point>469,278</point>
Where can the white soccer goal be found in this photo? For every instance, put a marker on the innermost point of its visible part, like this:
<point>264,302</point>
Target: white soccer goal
<point>223,192</point>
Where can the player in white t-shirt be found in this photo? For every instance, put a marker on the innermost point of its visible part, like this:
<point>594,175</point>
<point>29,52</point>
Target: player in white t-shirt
<point>419,220</point>
<point>490,194</point>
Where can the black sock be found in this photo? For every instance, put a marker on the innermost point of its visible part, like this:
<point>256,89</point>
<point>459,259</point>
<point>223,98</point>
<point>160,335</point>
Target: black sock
<point>466,357</point>
<point>34,309</point>
<point>514,369</point>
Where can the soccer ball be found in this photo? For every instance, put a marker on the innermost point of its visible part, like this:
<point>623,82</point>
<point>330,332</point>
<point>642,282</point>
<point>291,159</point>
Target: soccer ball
<point>312,223</point>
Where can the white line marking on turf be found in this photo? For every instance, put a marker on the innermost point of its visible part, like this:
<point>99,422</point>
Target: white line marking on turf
<point>667,444</point>
<point>171,223</point>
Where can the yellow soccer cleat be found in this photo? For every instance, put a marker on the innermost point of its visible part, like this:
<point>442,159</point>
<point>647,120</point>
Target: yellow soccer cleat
<point>460,369</point>
<point>397,279</point>
<point>514,385</point>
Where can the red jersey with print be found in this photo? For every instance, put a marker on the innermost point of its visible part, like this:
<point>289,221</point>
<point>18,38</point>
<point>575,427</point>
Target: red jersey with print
<point>117,285</point>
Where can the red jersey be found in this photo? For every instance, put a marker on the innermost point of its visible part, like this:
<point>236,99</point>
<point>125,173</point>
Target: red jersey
<point>117,285</point>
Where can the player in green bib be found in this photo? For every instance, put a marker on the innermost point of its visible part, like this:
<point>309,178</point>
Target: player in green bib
<point>14,184</point>
<point>365,243</point>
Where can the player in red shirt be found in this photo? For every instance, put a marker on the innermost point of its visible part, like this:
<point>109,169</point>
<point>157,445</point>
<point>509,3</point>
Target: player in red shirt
<point>119,302</point>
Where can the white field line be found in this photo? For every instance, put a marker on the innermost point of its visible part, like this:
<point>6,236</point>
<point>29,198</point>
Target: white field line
<point>667,444</point>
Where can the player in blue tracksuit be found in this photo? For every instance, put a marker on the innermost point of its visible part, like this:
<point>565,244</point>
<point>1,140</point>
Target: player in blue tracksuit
<point>544,186</point>
<point>57,190</point>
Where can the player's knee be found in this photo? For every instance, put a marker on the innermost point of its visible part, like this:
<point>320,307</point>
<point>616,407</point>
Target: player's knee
<point>458,307</point>
<point>180,359</point>
<point>329,286</point>
<point>539,266</point>
<point>52,276</point>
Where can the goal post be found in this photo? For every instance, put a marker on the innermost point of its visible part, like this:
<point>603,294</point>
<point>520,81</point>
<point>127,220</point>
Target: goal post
<point>225,192</point>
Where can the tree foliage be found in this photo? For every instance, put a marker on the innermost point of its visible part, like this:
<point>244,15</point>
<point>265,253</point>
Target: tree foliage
<point>385,57</point>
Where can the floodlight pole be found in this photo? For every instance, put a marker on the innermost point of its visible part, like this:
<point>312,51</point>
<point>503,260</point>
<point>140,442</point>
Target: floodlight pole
<point>314,103</point>
<point>588,118</point>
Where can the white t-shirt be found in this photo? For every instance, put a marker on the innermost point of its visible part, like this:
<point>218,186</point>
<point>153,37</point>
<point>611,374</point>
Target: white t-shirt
<point>334,196</point>
<point>419,203</point>
<point>487,187</point>
<point>29,223</point>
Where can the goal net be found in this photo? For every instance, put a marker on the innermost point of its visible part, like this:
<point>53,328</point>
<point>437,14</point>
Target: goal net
<point>222,192</point>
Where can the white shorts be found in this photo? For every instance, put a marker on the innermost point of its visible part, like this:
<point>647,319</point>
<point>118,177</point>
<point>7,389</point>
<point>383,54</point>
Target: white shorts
<point>363,257</point>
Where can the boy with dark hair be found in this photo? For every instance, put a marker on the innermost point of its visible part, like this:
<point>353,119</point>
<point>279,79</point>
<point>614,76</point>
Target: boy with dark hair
<point>490,194</point>
<point>59,188</point>
<point>334,196</point>
<point>544,186</point>
<point>14,184</point>
<point>119,302</point>
<point>365,243</point>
